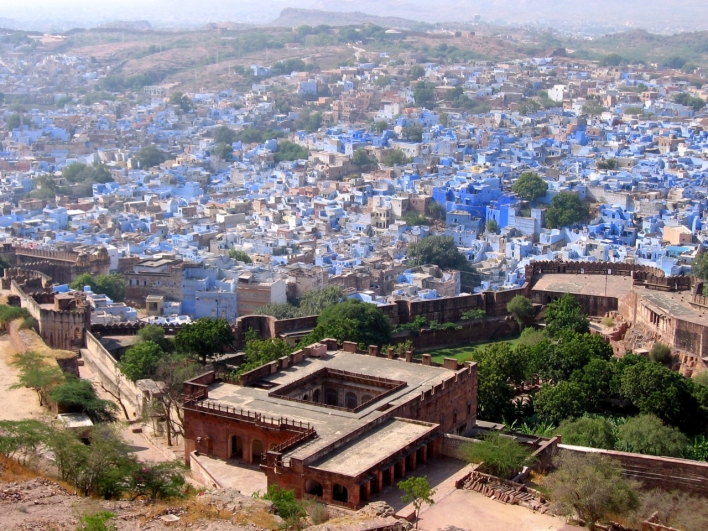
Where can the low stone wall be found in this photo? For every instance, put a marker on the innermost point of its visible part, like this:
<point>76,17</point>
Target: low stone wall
<point>453,446</point>
<point>664,473</point>
<point>201,474</point>
<point>469,332</point>
<point>105,367</point>
<point>26,340</point>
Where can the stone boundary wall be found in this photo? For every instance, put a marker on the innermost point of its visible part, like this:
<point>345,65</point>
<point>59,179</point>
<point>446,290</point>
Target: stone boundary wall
<point>105,367</point>
<point>666,473</point>
<point>452,446</point>
<point>26,340</point>
<point>202,474</point>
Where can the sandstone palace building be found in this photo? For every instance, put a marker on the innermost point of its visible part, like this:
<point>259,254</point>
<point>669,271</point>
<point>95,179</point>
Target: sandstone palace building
<point>332,422</point>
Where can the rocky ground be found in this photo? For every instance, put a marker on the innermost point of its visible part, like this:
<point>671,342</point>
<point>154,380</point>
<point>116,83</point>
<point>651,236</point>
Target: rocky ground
<point>40,504</point>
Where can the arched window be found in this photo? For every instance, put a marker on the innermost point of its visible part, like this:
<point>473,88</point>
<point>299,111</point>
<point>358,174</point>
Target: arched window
<point>316,396</point>
<point>339,493</point>
<point>351,401</point>
<point>331,397</point>
<point>256,451</point>
<point>314,488</point>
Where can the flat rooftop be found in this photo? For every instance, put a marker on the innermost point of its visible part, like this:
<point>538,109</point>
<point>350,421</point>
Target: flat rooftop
<point>331,424</point>
<point>675,303</point>
<point>598,285</point>
<point>368,450</point>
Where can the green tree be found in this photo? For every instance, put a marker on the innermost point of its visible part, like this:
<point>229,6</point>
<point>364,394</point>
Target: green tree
<point>498,368</point>
<point>593,108</point>
<point>380,126</point>
<point>150,156</point>
<point>112,286</point>
<point>586,431</point>
<point>77,173</point>
<point>13,122</point>
<point>241,256</point>
<point>646,434</point>
<point>173,370</point>
<point>22,440</point>
<point>225,135</point>
<point>521,308</point>
<point>76,394</point>
<point>566,400</point>
<point>492,226</point>
<point>700,267</point>
<point>308,120</point>
<point>530,186</point>
<point>261,351</point>
<point>352,320</point>
<point>204,338</point>
<point>289,151</point>
<point>501,454</point>
<point>424,94</point>
<point>435,210</point>
<point>417,490</point>
<point>394,157</point>
<point>286,504</point>
<point>438,250</point>
<point>607,164</point>
<point>596,380</point>
<point>416,72</point>
<point>657,390</point>
<point>413,132</point>
<point>566,209</point>
<point>316,301</point>
<point>45,187</point>
<point>157,481</point>
<point>36,372</point>
<point>141,361</point>
<point>690,101</point>
<point>529,106</point>
<point>155,334</point>
<point>613,59</point>
<point>182,100</point>
<point>565,314</point>
<point>223,151</point>
<point>591,486</point>
<point>361,159</point>
<point>660,353</point>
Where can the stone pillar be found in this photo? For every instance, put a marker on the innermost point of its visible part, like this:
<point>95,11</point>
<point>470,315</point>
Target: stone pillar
<point>412,461</point>
<point>402,464</point>
<point>379,481</point>
<point>424,454</point>
<point>367,492</point>
<point>409,356</point>
<point>353,492</point>
<point>246,451</point>
<point>392,475</point>
<point>427,358</point>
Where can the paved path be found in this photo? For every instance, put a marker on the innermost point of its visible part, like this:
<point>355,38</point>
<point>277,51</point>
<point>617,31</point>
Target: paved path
<point>466,510</point>
<point>234,474</point>
<point>15,404</point>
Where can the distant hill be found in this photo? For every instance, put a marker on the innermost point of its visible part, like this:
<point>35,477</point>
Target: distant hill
<point>291,17</point>
<point>645,46</point>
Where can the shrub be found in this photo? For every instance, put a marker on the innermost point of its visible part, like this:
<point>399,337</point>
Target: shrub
<point>660,353</point>
<point>646,434</point>
<point>609,322</point>
<point>10,313</point>
<point>500,453</point>
<point>286,504</point>
<point>319,514</point>
<point>586,431</point>
<point>472,315</point>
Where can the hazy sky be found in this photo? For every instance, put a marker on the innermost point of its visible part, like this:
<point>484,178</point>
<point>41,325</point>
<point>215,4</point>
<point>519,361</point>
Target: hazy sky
<point>656,14</point>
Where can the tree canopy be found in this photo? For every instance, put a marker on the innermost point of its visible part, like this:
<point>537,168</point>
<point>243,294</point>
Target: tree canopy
<point>204,338</point>
<point>352,320</point>
<point>521,308</point>
<point>438,250</point>
<point>591,486</point>
<point>566,209</point>
<point>530,186</point>
<point>646,434</point>
<point>141,361</point>
<point>112,286</point>
<point>566,314</point>
<point>501,454</point>
<point>417,490</point>
<point>586,431</point>
<point>150,156</point>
